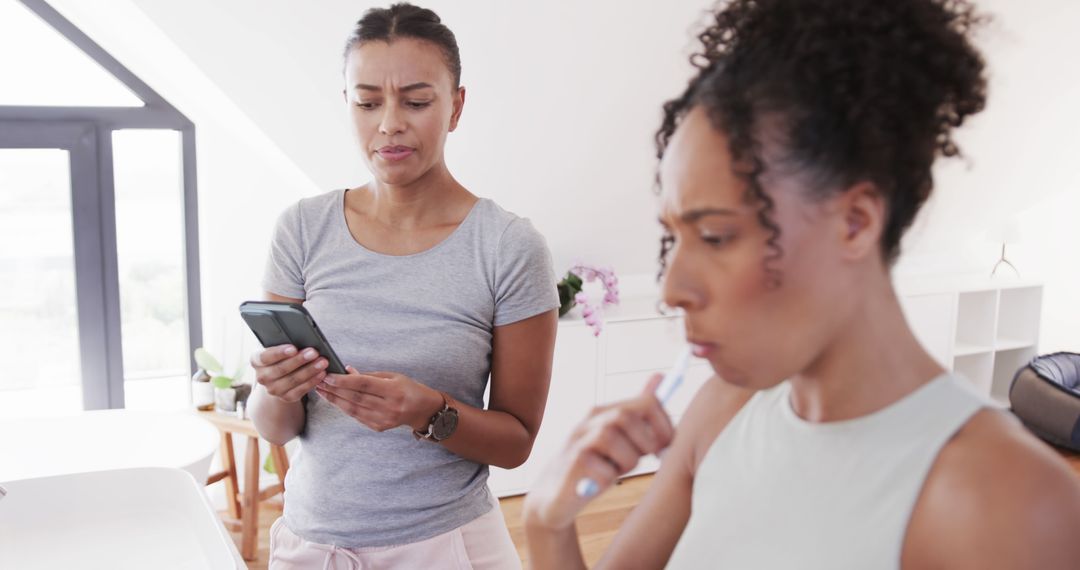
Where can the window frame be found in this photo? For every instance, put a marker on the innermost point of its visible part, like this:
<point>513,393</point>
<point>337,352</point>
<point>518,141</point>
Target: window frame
<point>86,133</point>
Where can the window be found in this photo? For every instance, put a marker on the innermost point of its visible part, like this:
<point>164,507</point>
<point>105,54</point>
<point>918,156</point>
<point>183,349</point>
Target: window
<point>98,235</point>
<point>148,178</point>
<point>39,339</point>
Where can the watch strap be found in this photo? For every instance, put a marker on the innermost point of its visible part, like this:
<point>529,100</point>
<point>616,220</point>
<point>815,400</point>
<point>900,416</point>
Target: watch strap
<point>429,434</point>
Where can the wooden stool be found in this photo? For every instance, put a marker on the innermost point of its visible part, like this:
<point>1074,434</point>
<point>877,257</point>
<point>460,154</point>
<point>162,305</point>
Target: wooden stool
<point>244,509</point>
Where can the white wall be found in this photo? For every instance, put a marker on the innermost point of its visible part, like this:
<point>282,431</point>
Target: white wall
<point>1023,163</point>
<point>563,98</point>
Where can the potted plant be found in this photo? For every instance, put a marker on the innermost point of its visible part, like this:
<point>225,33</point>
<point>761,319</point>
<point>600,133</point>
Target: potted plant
<point>571,293</point>
<point>202,391</point>
<point>228,390</point>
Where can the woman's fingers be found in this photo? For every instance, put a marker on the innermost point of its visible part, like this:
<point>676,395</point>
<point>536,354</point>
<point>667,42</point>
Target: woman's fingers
<point>659,423</point>
<point>648,424</point>
<point>597,474</point>
<point>276,362</point>
<point>358,382</point>
<point>653,384</point>
<point>623,433</point>
<point>658,431</point>
<point>294,392</point>
<point>362,399</point>
<point>373,418</point>
<point>642,421</point>
<point>609,443</point>
<point>295,363</point>
<point>619,435</point>
<point>299,381</point>
<point>272,355</point>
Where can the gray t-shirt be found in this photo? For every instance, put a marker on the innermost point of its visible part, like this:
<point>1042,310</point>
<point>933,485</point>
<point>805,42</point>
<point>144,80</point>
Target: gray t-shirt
<point>429,316</point>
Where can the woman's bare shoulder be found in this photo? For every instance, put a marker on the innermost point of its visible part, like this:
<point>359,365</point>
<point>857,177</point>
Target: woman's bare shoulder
<point>711,410</point>
<point>996,497</point>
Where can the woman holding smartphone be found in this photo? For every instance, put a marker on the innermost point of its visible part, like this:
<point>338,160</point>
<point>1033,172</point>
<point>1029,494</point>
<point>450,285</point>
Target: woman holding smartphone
<point>424,290</point>
<point>790,168</point>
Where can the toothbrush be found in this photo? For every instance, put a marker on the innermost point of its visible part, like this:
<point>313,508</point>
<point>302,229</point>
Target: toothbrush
<point>586,486</point>
<point>674,377</point>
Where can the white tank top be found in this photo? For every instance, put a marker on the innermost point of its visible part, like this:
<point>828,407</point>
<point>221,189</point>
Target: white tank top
<point>776,491</point>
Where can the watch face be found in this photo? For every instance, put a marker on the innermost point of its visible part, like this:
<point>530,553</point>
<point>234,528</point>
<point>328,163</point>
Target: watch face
<point>445,424</point>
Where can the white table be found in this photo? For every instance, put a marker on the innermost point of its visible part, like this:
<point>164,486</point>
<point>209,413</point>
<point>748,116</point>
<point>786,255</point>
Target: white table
<point>104,440</point>
<point>125,519</point>
<point>102,472</point>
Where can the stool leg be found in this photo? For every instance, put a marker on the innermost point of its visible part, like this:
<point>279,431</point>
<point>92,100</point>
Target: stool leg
<point>250,513</point>
<point>281,462</point>
<point>228,464</point>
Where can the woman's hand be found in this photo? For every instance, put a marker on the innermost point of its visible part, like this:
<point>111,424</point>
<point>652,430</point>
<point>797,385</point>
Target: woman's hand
<point>382,400</point>
<point>286,374</point>
<point>607,444</point>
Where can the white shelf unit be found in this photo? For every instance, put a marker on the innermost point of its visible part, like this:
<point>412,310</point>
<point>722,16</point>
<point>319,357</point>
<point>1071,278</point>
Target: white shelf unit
<point>981,329</point>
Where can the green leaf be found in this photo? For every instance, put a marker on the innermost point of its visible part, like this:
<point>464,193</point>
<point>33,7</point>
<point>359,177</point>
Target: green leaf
<point>566,299</point>
<point>221,382</point>
<point>268,465</point>
<point>206,360</point>
<point>568,288</point>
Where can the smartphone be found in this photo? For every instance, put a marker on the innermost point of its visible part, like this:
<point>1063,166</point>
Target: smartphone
<point>275,323</point>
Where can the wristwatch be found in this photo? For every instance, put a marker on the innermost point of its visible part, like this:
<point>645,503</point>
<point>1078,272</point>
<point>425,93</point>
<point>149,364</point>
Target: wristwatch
<point>442,424</point>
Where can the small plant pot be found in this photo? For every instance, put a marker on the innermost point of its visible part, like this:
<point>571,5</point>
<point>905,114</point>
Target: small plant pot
<point>202,395</point>
<point>243,392</point>
<point>225,399</point>
<point>202,391</point>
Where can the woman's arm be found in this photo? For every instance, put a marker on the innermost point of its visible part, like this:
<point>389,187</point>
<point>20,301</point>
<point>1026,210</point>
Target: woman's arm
<point>503,434</point>
<point>995,498</point>
<point>282,378</point>
<point>649,535</point>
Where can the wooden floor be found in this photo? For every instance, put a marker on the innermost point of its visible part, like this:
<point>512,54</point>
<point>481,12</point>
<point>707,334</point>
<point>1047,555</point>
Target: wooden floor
<point>596,525</point>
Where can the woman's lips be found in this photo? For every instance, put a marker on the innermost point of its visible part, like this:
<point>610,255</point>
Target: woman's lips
<point>702,349</point>
<point>395,153</point>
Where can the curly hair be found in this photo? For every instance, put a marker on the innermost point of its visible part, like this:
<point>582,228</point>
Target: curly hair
<point>862,90</point>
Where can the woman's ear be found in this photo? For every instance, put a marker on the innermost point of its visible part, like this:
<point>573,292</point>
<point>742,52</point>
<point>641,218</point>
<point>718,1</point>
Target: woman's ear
<point>863,212</point>
<point>458,107</point>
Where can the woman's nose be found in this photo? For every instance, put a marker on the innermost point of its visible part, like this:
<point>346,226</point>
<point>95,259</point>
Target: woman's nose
<point>392,122</point>
<point>679,288</point>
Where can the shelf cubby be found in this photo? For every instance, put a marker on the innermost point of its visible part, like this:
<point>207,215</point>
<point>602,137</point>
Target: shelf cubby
<point>1019,312</point>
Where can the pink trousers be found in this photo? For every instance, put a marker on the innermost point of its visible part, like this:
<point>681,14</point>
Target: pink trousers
<point>483,544</point>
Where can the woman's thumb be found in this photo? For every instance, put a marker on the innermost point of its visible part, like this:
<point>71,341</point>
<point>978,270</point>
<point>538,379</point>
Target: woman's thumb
<point>652,384</point>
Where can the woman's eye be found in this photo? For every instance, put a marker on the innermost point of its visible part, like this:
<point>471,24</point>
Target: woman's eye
<point>366,105</point>
<point>717,240</point>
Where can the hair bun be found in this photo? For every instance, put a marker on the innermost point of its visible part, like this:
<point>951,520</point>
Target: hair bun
<point>867,90</point>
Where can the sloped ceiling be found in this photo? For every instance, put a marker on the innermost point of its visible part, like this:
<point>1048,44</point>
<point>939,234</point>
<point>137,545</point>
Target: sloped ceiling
<point>280,62</point>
